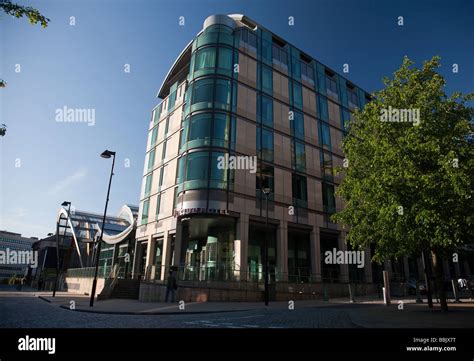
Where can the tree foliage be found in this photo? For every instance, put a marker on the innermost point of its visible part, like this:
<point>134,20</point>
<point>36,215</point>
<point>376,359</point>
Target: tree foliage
<point>18,11</point>
<point>409,187</point>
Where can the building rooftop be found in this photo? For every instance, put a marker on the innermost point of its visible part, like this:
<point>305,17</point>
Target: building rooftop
<point>234,21</point>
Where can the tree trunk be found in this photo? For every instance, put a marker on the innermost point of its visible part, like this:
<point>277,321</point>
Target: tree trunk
<point>426,270</point>
<point>439,273</point>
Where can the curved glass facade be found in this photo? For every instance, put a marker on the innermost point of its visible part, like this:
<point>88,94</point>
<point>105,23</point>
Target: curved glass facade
<point>208,124</point>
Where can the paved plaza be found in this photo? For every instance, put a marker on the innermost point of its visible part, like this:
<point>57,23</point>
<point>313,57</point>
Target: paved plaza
<point>31,309</point>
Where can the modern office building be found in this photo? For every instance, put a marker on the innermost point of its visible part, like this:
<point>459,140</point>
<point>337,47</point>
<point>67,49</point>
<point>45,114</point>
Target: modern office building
<point>238,91</point>
<point>9,242</point>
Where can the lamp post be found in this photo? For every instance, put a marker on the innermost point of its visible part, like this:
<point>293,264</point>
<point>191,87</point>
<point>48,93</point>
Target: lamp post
<point>105,154</point>
<point>266,191</point>
<point>40,278</point>
<point>64,204</point>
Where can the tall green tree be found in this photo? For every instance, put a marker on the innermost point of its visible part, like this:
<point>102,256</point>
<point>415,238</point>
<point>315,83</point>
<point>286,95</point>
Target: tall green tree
<point>408,185</point>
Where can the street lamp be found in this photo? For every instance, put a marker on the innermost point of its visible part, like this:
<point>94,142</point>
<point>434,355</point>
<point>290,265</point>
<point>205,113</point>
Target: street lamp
<point>105,154</point>
<point>64,204</point>
<point>266,191</point>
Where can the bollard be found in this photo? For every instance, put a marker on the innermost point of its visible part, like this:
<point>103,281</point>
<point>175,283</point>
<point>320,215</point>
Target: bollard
<point>351,299</point>
<point>386,289</point>
<point>455,293</point>
<point>325,294</point>
<point>418,297</point>
<point>470,289</point>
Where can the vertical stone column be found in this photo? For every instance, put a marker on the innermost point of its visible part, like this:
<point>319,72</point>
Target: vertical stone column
<point>315,249</point>
<point>368,266</point>
<point>178,244</point>
<point>166,260</point>
<point>241,259</point>
<point>150,258</point>
<point>282,251</point>
<point>344,268</point>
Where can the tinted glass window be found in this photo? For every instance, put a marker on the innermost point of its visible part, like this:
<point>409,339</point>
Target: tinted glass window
<point>158,205</point>
<point>151,159</point>
<point>265,144</point>
<point>329,201</point>
<point>200,127</point>
<point>221,127</point>
<point>266,110</point>
<point>323,108</point>
<point>205,58</point>
<point>202,91</point>
<point>154,135</point>
<point>298,125</point>
<point>265,177</point>
<point>223,91</point>
<point>146,205</point>
<point>267,79</point>
<point>297,95</point>
<point>197,166</point>
<point>148,185</point>
<point>325,135</point>
<point>217,175</point>
<point>225,58</point>
<point>300,156</point>
<point>299,187</point>
<point>180,170</point>
<point>163,154</point>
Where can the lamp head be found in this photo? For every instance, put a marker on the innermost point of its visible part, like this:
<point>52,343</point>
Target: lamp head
<point>107,154</point>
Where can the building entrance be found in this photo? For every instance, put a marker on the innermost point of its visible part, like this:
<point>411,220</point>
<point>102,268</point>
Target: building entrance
<point>208,248</point>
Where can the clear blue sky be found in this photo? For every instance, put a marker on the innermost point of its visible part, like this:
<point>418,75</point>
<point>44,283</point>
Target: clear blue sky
<point>82,66</point>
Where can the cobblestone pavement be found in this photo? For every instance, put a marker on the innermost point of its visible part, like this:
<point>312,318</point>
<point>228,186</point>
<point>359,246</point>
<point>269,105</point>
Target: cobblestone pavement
<point>27,311</point>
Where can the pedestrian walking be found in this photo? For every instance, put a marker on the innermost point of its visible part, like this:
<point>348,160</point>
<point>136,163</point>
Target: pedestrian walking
<point>171,286</point>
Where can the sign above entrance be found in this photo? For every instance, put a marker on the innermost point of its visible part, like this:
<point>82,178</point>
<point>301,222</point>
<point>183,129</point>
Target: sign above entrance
<point>198,210</point>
